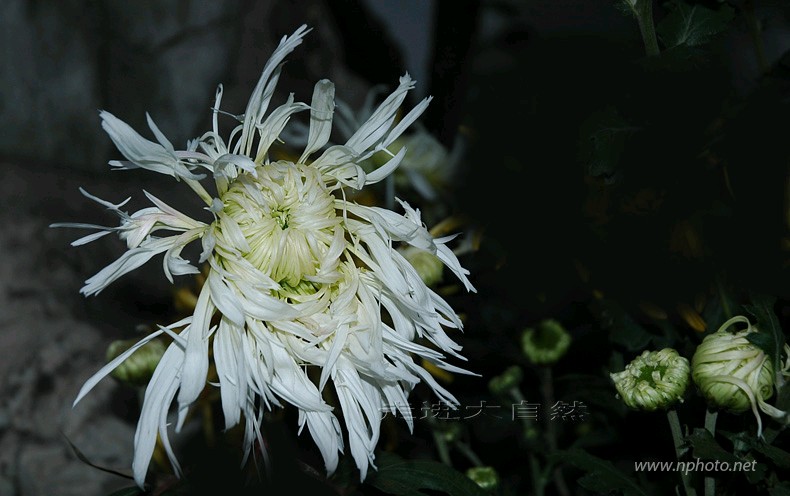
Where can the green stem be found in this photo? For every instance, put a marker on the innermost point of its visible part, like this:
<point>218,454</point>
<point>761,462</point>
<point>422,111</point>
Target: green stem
<point>539,478</point>
<point>470,455</point>
<point>538,481</point>
<point>677,437</point>
<point>710,421</point>
<point>547,391</point>
<point>710,426</point>
<point>756,34</point>
<point>441,447</point>
<point>644,17</point>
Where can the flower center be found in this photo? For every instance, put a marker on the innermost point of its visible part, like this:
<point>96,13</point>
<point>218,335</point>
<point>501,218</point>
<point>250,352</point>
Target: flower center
<point>652,374</point>
<point>281,221</point>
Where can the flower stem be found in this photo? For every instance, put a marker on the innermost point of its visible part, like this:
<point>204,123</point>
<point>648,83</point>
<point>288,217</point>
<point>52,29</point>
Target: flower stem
<point>755,31</point>
<point>538,481</point>
<point>208,421</point>
<point>643,9</point>
<point>677,437</point>
<point>441,447</point>
<point>538,475</point>
<point>547,390</point>
<point>710,426</point>
<point>470,455</point>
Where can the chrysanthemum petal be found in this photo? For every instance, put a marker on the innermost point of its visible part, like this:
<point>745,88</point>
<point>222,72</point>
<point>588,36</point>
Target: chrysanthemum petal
<point>195,364</point>
<point>261,95</point>
<point>142,152</point>
<point>321,109</point>
<point>153,418</point>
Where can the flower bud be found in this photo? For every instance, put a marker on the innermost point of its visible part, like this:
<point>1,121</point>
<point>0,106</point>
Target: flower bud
<point>506,381</point>
<point>485,477</point>
<point>546,343</point>
<point>733,373</point>
<point>451,431</point>
<point>138,368</point>
<point>653,380</point>
<point>428,266</point>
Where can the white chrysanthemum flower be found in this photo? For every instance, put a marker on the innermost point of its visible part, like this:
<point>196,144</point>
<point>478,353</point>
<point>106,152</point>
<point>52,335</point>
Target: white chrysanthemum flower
<point>299,277</point>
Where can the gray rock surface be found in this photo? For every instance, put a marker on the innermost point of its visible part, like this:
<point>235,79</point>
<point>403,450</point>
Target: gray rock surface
<point>47,349</point>
<point>72,58</point>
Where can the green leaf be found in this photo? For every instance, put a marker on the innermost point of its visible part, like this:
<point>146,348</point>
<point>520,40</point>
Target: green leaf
<point>604,135</point>
<point>127,491</point>
<point>772,340</point>
<point>778,456</point>
<point>720,308</point>
<point>624,330</point>
<point>602,476</point>
<point>410,478</point>
<point>693,25</point>
<point>706,448</point>
<point>782,489</point>
<point>597,392</point>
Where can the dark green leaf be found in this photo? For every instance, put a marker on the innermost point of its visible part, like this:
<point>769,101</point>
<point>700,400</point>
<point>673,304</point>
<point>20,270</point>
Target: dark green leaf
<point>410,478</point>
<point>782,489</point>
<point>602,476</point>
<point>603,139</point>
<point>597,392</point>
<point>692,25</point>
<point>706,448</point>
<point>623,329</point>
<point>719,308</point>
<point>127,491</point>
<point>772,340</point>
<point>780,457</point>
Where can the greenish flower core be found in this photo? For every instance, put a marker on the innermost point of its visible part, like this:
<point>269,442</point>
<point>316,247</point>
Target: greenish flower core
<point>282,220</point>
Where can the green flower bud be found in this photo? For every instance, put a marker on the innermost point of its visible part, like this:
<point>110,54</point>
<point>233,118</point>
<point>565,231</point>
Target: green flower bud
<point>427,265</point>
<point>451,431</point>
<point>653,380</point>
<point>733,373</point>
<point>545,344</point>
<point>138,368</point>
<point>531,433</point>
<point>506,381</point>
<point>485,477</point>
